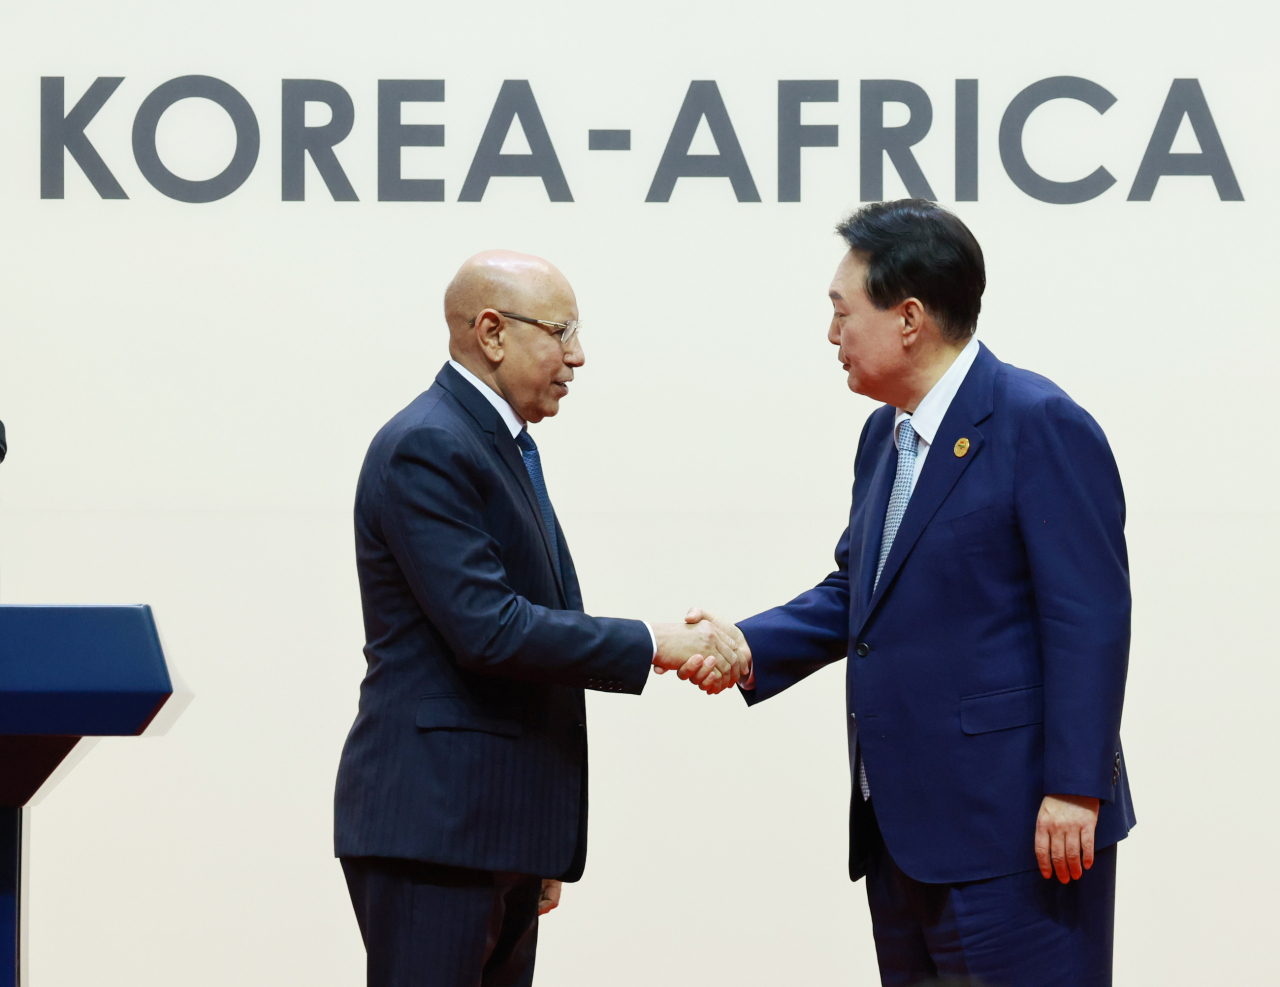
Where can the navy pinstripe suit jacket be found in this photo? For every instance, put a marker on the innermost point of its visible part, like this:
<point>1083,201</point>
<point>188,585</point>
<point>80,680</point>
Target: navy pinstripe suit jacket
<point>470,746</point>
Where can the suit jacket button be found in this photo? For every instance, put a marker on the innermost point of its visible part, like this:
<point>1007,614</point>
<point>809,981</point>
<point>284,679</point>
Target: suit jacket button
<point>863,650</point>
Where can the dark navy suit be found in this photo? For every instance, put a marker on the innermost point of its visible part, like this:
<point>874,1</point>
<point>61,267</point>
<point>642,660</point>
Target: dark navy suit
<point>987,668</point>
<point>468,756</point>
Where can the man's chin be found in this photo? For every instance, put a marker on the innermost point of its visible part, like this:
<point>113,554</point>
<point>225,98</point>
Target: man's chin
<point>861,387</point>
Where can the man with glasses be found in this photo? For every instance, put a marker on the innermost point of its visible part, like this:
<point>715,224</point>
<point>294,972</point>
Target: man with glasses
<point>462,791</point>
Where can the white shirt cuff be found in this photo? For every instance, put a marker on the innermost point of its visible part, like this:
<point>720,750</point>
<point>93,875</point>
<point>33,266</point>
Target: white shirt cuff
<point>652,637</point>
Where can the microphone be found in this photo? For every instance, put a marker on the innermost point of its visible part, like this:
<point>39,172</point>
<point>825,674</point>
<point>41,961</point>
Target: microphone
<point>3,447</point>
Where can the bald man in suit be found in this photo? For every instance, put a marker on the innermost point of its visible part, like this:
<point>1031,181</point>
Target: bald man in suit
<point>462,791</point>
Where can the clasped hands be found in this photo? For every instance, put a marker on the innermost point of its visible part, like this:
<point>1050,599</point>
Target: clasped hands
<point>709,652</point>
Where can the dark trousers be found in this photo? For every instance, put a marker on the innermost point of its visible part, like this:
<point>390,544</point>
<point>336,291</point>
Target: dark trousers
<point>1019,930</point>
<point>426,925</point>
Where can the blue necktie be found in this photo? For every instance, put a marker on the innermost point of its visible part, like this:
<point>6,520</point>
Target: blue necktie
<point>902,482</point>
<point>533,463</point>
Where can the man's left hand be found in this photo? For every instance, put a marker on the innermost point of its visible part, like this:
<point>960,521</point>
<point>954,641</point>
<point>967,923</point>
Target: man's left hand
<point>550,895</point>
<point>1064,835</point>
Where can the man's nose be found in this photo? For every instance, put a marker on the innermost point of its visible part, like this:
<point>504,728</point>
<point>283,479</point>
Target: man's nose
<point>574,356</point>
<point>833,333</point>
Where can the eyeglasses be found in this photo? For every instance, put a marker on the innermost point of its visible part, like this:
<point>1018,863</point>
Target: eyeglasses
<point>566,330</point>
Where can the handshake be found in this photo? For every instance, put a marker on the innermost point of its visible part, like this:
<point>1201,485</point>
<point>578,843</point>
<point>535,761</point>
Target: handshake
<point>710,652</point>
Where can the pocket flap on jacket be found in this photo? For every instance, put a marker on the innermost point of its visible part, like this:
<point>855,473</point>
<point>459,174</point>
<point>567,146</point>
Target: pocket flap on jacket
<point>452,713</point>
<point>1002,710</point>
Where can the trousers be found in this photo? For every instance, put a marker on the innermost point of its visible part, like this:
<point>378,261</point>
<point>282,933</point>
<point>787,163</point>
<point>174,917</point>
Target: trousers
<point>1018,930</point>
<point>427,925</point>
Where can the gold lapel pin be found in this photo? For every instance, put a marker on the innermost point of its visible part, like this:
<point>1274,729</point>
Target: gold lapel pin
<point>962,446</point>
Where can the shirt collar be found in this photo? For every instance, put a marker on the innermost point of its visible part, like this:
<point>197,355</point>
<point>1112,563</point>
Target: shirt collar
<point>513,421</point>
<point>933,406</point>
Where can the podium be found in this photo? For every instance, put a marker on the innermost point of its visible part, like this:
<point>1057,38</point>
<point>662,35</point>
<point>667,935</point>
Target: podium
<point>65,673</point>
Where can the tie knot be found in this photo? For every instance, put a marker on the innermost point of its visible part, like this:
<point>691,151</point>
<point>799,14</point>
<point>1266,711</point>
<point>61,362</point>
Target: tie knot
<point>906,436</point>
<point>525,441</point>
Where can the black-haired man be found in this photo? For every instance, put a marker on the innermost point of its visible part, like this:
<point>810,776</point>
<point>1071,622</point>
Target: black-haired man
<point>981,595</point>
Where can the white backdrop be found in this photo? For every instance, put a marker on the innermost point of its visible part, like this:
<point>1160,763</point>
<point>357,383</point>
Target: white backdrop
<point>190,388</point>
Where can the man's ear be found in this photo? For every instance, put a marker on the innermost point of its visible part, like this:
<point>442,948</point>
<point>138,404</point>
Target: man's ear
<point>490,328</point>
<point>912,313</point>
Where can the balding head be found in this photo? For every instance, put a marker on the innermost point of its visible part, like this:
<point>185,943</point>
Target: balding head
<point>502,280</point>
<point>524,363</point>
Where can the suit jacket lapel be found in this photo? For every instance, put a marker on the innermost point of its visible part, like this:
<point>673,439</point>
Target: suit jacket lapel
<point>509,453</point>
<point>942,469</point>
<point>487,417</point>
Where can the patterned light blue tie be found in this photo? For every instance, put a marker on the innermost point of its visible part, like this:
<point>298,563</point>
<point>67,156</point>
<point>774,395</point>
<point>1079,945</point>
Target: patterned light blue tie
<point>908,442</point>
<point>533,463</point>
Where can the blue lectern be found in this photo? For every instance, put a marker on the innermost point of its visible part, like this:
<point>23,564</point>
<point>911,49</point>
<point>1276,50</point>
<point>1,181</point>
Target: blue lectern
<point>65,673</point>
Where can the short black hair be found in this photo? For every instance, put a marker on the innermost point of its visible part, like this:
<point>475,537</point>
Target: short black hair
<point>915,248</point>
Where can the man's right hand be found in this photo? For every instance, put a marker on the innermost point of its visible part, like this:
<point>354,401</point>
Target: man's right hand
<point>700,651</point>
<point>731,631</point>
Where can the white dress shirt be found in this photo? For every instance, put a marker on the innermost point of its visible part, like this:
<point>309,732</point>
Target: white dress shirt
<point>933,406</point>
<point>516,424</point>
